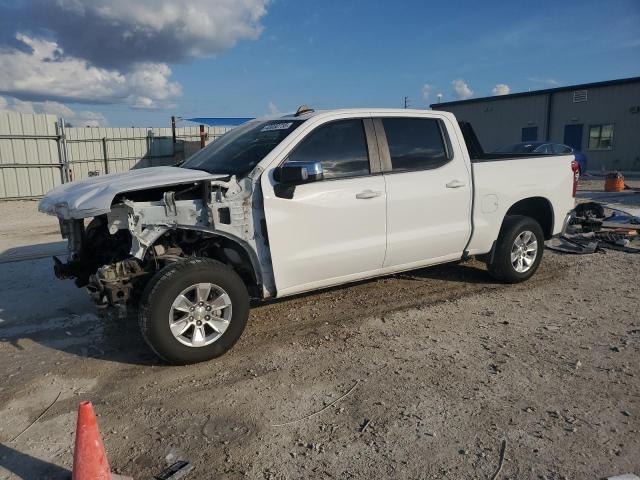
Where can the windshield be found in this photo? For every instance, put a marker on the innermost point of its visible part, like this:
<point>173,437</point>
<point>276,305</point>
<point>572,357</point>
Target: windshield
<point>239,151</point>
<point>519,148</point>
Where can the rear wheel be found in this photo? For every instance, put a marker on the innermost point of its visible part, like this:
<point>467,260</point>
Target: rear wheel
<point>193,310</point>
<point>518,250</point>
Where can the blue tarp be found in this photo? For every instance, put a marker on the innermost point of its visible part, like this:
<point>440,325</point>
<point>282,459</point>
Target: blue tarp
<point>219,121</point>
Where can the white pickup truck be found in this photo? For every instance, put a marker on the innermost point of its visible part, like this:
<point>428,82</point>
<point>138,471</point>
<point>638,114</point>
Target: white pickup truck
<point>286,205</point>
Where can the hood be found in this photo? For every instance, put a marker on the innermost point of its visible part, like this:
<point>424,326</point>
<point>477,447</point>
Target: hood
<point>93,196</point>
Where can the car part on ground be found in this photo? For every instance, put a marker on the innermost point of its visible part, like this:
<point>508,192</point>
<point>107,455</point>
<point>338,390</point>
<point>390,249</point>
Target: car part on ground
<point>596,227</point>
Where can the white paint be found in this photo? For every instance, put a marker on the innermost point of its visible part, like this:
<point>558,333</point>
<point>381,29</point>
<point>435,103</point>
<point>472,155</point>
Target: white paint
<point>325,235</point>
<point>325,232</point>
<point>314,238</point>
<point>93,196</point>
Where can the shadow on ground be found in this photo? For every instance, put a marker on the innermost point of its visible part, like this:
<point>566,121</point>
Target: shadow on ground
<point>28,467</point>
<point>37,307</point>
<point>33,252</point>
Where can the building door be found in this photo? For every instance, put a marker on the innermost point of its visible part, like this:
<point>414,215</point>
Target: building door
<point>530,134</point>
<point>573,136</point>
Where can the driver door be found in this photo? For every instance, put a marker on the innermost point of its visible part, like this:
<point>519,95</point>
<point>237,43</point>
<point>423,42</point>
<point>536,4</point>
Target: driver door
<point>332,230</point>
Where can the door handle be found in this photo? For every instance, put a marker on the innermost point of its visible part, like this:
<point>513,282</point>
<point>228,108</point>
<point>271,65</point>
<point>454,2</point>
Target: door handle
<point>455,184</point>
<point>367,194</point>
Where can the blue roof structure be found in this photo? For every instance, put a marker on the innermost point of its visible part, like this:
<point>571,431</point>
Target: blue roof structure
<point>219,121</point>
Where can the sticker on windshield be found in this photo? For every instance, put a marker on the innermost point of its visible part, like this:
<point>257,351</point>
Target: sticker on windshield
<point>276,126</point>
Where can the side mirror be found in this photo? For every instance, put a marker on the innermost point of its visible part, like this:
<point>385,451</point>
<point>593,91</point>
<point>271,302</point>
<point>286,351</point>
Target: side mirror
<point>294,173</point>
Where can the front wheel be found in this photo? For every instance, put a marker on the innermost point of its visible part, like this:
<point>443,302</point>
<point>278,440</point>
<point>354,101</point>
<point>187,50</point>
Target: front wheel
<point>193,310</point>
<point>518,250</point>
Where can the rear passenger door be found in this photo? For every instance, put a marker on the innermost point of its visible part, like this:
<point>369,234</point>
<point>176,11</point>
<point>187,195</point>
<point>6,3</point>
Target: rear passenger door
<point>428,191</point>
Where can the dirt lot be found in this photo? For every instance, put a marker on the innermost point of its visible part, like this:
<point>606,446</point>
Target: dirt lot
<point>439,365</point>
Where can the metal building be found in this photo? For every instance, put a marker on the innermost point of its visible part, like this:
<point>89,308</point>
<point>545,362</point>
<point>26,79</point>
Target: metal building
<point>600,119</point>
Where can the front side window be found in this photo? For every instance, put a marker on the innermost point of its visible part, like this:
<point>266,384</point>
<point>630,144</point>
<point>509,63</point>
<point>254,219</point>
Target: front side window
<point>415,143</point>
<point>341,148</point>
<point>601,137</point>
<point>241,149</point>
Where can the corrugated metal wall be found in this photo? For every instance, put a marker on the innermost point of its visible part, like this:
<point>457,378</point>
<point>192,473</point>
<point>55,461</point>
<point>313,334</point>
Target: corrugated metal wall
<point>29,157</point>
<point>37,154</point>
<point>498,121</point>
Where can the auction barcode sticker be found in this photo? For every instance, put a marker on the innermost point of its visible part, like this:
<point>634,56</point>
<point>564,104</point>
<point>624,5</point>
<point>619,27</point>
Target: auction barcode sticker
<point>276,126</point>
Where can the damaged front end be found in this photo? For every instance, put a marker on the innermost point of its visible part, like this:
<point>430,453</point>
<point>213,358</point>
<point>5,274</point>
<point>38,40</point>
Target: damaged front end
<point>117,253</point>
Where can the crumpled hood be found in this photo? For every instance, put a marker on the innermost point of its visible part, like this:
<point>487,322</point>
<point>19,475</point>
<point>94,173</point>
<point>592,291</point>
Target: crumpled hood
<point>93,196</point>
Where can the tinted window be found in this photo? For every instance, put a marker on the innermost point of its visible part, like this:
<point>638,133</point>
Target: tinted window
<point>340,146</point>
<point>414,143</point>
<point>561,149</point>
<point>239,151</point>
<point>546,148</point>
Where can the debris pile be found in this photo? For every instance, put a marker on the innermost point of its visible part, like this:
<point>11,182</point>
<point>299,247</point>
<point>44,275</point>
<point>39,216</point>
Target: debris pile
<point>596,227</point>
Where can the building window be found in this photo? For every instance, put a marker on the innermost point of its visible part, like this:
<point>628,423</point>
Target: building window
<point>601,137</point>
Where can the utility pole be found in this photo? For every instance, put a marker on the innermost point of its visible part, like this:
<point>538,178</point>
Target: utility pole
<point>406,102</point>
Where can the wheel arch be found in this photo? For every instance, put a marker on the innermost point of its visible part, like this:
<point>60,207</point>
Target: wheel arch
<point>245,261</point>
<point>538,208</point>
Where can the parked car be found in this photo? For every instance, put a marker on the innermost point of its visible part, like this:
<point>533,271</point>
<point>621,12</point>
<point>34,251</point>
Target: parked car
<point>547,148</point>
<point>281,206</point>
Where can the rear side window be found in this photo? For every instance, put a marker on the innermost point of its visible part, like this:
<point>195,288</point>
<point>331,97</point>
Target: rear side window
<point>546,148</point>
<point>415,143</point>
<point>341,148</point>
<point>562,149</point>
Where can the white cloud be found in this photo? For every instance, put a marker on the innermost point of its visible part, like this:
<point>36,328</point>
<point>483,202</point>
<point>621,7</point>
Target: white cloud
<point>500,89</point>
<point>273,109</point>
<point>87,118</point>
<point>461,89</point>
<point>56,108</point>
<point>45,72</point>
<point>23,107</point>
<point>546,81</point>
<point>115,33</point>
<point>115,51</point>
<point>83,118</point>
<point>426,91</point>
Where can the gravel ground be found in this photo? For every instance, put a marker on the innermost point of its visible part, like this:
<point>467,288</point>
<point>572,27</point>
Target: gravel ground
<point>438,367</point>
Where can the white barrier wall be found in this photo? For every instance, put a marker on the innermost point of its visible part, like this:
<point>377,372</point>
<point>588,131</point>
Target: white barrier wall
<point>36,153</point>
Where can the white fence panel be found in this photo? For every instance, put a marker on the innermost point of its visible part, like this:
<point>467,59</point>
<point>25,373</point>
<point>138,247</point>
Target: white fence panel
<point>29,159</point>
<point>33,146</point>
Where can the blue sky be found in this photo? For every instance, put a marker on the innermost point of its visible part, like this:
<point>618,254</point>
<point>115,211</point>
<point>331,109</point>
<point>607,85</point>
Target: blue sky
<point>368,53</point>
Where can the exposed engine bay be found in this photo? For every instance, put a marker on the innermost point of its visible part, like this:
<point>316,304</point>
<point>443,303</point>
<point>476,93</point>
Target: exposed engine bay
<point>115,254</point>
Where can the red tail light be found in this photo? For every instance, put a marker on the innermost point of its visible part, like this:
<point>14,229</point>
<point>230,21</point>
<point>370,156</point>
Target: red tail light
<point>575,168</point>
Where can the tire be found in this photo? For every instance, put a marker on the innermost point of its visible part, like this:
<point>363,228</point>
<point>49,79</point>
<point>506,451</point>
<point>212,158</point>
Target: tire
<point>514,228</point>
<point>177,295</point>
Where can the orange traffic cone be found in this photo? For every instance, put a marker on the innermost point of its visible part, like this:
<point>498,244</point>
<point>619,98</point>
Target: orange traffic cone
<point>89,458</point>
